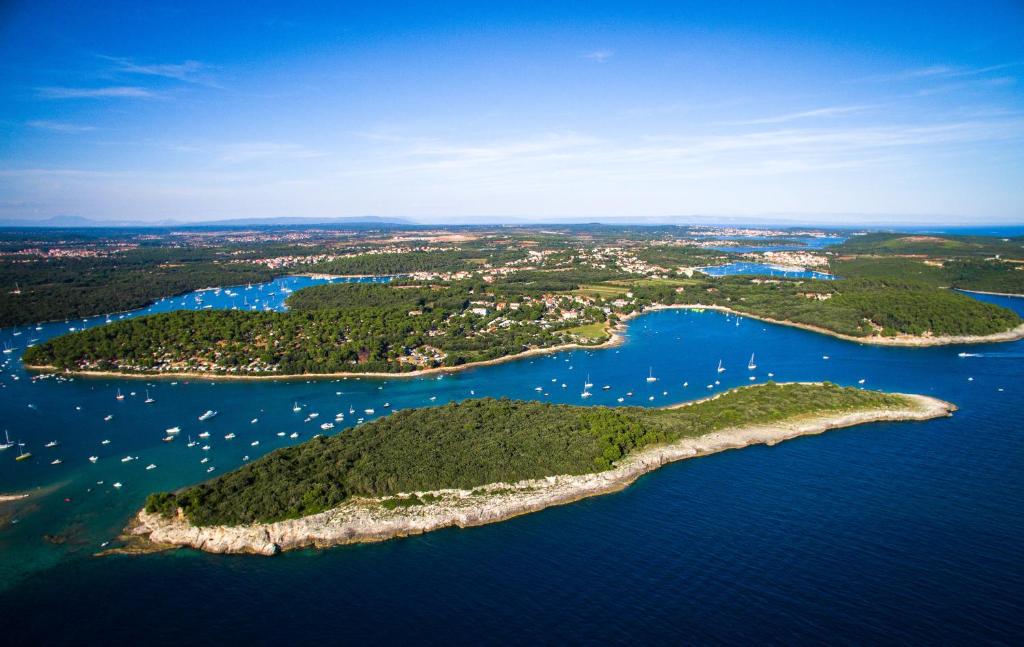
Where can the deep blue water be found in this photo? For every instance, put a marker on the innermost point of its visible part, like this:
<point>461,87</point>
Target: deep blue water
<point>883,533</point>
<point>762,269</point>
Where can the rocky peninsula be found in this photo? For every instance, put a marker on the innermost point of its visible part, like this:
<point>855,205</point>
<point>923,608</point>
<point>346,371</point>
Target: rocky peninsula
<point>371,519</point>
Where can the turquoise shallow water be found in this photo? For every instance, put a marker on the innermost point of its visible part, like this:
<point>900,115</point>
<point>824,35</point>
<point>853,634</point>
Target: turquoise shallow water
<point>883,533</point>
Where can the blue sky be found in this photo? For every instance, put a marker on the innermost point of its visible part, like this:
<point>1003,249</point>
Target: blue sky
<point>839,112</point>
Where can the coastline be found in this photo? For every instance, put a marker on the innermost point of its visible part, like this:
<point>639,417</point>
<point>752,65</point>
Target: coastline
<point>614,339</point>
<point>996,294</point>
<point>365,520</point>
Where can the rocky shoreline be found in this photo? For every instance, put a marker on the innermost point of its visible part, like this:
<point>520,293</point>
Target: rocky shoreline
<point>366,520</point>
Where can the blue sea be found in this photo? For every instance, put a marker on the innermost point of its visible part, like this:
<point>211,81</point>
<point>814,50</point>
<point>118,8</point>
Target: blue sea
<point>886,533</point>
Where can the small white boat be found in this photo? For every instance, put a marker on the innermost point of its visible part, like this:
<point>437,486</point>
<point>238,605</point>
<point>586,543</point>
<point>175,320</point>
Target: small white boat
<point>294,434</point>
<point>721,369</point>
<point>204,460</point>
<point>127,459</point>
<point>93,459</point>
<point>174,430</point>
<point>210,469</point>
<point>650,375</point>
<point>205,434</point>
<point>119,396</point>
<point>52,443</point>
<point>104,442</point>
<point>296,408</point>
<point>191,443</point>
<point>369,412</point>
<point>55,461</point>
<point>151,466</point>
<point>824,357</point>
<point>108,418</point>
<point>8,444</point>
<point>148,399</point>
<point>255,443</point>
<point>229,436</point>
<point>620,399</point>
<point>280,434</point>
<point>168,439</point>
<point>751,365</point>
<point>254,421</point>
<point>205,448</point>
<point>314,415</point>
<point>588,383</point>
<point>209,414</point>
<point>117,485</point>
<point>327,425</point>
<point>860,381</point>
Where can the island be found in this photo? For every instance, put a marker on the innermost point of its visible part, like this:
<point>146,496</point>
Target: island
<point>482,461</point>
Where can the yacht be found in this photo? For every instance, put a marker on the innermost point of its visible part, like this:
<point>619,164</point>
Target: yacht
<point>294,434</point>
<point>118,485</point>
<point>255,443</point>
<point>93,459</point>
<point>23,455</point>
<point>151,466</point>
<point>119,396</point>
<point>254,421</point>
<point>205,434</point>
<point>127,459</point>
<point>327,425</point>
<point>229,436</point>
<point>721,369</point>
<point>104,442</point>
<point>191,443</point>
<point>52,443</point>
<point>209,414</point>
<point>296,408</point>
<point>588,383</point>
<point>174,430</point>
<point>7,444</point>
<point>148,399</point>
<point>369,412</point>
<point>650,375</point>
<point>204,460</point>
<point>751,365</point>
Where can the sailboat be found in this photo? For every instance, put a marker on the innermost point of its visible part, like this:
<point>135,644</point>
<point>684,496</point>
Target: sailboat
<point>588,383</point>
<point>751,365</point>
<point>23,455</point>
<point>119,396</point>
<point>7,444</point>
<point>296,408</point>
<point>148,399</point>
<point>721,369</point>
<point>586,393</point>
<point>650,376</point>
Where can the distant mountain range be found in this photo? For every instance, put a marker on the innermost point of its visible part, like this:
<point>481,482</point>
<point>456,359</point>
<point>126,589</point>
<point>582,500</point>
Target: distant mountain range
<point>74,222</point>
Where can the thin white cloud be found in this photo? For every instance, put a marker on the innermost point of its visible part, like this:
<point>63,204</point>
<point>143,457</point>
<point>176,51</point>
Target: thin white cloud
<point>818,113</point>
<point>938,72</point>
<point>59,126</point>
<point>188,71</point>
<point>256,151</point>
<point>110,92</point>
<point>599,56</point>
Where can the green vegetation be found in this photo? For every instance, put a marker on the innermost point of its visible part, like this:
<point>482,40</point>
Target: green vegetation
<point>965,274</point>
<point>860,307</point>
<point>943,246</point>
<point>80,287</point>
<point>331,329</point>
<point>420,261</point>
<point>477,442</point>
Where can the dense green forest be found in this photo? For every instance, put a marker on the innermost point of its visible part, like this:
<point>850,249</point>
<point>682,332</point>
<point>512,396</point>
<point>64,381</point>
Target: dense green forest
<point>332,328</point>
<point>406,262</point>
<point>858,307</point>
<point>940,246</point>
<point>965,273</point>
<point>477,442</point>
<point>63,288</point>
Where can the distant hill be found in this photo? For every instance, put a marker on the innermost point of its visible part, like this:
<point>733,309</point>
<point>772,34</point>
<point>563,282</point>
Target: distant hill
<point>75,222</point>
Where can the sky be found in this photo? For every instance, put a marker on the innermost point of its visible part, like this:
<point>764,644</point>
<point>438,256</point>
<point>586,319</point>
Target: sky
<point>835,112</point>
